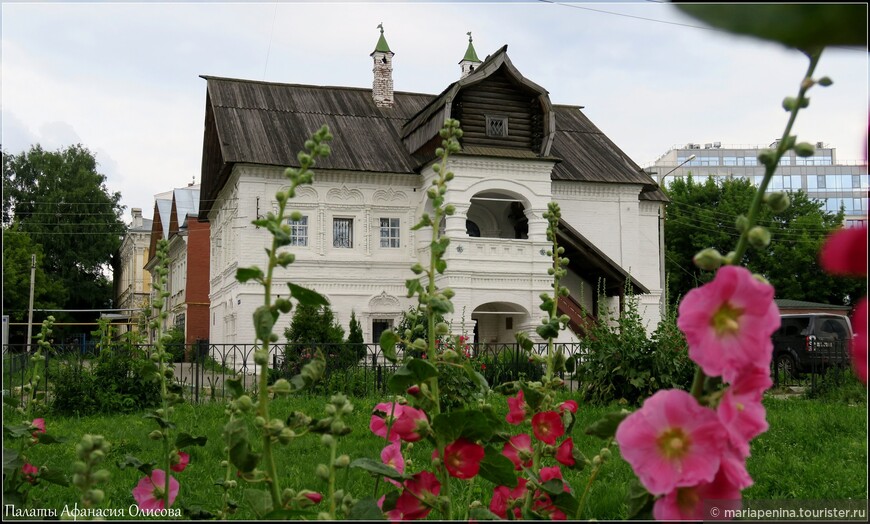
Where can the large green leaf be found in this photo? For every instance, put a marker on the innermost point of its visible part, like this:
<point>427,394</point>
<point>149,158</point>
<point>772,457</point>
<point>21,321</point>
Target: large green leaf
<point>378,468</point>
<point>264,320</point>
<point>243,274</point>
<point>480,513</point>
<point>497,468</point>
<point>388,345</point>
<point>471,424</point>
<point>415,371</point>
<point>11,460</point>
<point>802,26</point>
<point>54,477</point>
<point>260,501</point>
<point>605,427</point>
<point>306,296</point>
<point>186,439</point>
<point>243,457</point>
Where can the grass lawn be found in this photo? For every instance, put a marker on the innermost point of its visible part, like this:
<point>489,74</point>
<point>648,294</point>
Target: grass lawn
<point>815,449</point>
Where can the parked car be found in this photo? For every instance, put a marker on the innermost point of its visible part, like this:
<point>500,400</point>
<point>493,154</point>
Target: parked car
<point>811,342</point>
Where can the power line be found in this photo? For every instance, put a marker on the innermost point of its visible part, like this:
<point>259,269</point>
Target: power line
<point>708,28</point>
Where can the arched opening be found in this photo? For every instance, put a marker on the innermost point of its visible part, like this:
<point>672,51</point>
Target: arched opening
<point>498,214</point>
<point>498,322</point>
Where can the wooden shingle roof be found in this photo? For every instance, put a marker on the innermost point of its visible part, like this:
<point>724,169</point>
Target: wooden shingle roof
<point>267,123</point>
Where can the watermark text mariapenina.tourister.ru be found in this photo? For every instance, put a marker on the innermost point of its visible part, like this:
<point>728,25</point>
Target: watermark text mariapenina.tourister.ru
<point>74,512</point>
<point>768,509</point>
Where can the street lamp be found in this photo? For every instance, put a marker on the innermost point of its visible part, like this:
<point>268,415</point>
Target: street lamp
<point>681,164</point>
<point>663,276</point>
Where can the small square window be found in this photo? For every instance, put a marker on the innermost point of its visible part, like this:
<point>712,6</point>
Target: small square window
<point>299,231</point>
<point>342,232</point>
<point>496,126</point>
<point>390,232</point>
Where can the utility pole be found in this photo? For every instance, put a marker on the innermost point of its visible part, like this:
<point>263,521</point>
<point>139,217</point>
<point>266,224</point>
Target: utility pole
<point>32,284</point>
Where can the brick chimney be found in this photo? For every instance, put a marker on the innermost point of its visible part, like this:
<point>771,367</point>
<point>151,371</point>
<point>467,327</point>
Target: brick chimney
<point>382,86</point>
<point>137,217</point>
<point>469,62</point>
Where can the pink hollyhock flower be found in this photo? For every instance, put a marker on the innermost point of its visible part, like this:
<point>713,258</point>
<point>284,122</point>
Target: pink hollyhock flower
<point>553,472</point>
<point>381,417</point>
<point>845,252</point>
<point>543,506</point>
<point>183,461</point>
<point>671,442</point>
<point>412,424</point>
<point>392,456</point>
<point>741,410</point>
<point>687,503</point>
<point>418,497</point>
<point>728,323</point>
<point>547,426</point>
<point>149,491</point>
<point>462,458</point>
<point>505,498</point>
<point>314,497</point>
<point>516,409</point>
<point>565,452</point>
<point>733,466</point>
<point>39,424</point>
<point>859,341</point>
<point>408,422</point>
<point>30,472</point>
<point>517,444</point>
<point>570,405</point>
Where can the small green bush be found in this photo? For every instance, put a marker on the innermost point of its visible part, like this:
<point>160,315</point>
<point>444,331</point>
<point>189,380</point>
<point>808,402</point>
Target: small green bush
<point>120,380</point>
<point>838,384</point>
<point>620,362</point>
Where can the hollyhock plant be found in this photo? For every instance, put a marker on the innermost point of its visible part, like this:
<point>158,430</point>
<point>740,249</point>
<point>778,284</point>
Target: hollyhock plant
<point>504,498</point>
<point>418,497</point>
<point>30,472</point>
<point>407,422</point>
<point>149,491</point>
<point>391,455</point>
<point>516,409</point>
<point>462,458</point>
<point>553,472</point>
<point>516,445</point>
<point>687,503</point>
<point>183,461</point>
<point>565,452</point>
<point>845,253</point>
<point>859,341</point>
<point>728,323</point>
<point>741,410</point>
<point>547,426</point>
<point>672,441</point>
<point>570,405</point>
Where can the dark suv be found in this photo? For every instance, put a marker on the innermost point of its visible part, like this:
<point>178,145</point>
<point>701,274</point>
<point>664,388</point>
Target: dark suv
<point>811,342</point>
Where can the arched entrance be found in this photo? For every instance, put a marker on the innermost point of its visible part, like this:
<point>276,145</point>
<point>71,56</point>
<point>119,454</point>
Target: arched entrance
<point>498,322</point>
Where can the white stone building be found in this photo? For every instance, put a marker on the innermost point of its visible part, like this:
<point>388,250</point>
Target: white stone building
<point>355,244</point>
<point>133,282</point>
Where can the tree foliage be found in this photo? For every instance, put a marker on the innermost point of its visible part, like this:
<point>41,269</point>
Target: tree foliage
<point>60,201</point>
<point>47,292</point>
<point>703,214</point>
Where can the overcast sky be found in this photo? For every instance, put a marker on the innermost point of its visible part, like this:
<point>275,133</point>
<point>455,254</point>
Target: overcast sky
<point>122,78</point>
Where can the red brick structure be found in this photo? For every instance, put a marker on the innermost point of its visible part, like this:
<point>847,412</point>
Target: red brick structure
<point>196,295</point>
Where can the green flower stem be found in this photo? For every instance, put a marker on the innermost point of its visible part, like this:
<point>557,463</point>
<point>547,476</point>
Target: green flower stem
<point>228,476</point>
<point>263,393</point>
<point>331,485</point>
<point>770,168</point>
<point>698,383</point>
<point>582,504</point>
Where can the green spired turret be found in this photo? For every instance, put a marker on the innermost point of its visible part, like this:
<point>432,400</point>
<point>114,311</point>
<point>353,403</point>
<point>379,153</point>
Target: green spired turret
<point>382,84</point>
<point>382,46</point>
<point>469,62</point>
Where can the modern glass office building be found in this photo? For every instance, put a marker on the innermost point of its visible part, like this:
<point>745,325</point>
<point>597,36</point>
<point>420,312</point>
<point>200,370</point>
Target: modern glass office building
<point>821,176</point>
